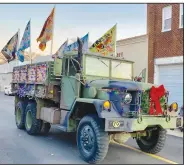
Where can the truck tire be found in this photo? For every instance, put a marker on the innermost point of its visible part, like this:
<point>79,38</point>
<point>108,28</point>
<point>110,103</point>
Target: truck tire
<point>45,128</point>
<point>32,124</point>
<point>153,143</point>
<point>92,140</point>
<point>20,114</point>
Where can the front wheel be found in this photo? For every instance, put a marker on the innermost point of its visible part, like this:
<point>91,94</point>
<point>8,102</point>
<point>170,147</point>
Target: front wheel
<point>92,140</point>
<point>153,142</point>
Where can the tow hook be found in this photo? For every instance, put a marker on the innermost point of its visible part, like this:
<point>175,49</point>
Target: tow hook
<point>139,119</point>
<point>168,118</point>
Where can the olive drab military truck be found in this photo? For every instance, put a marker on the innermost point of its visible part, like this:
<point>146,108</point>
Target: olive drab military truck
<point>96,97</point>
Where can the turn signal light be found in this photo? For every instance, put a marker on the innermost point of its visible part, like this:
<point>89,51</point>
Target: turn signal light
<point>106,105</point>
<point>174,107</point>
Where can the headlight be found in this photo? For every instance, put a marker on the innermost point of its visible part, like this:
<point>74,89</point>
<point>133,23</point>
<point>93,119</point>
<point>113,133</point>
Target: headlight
<point>127,98</point>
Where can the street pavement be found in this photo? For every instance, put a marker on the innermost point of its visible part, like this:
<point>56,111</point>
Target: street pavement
<point>16,146</point>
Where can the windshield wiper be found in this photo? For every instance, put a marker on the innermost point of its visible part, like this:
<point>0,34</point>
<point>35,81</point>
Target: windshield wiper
<point>103,62</point>
<point>117,65</point>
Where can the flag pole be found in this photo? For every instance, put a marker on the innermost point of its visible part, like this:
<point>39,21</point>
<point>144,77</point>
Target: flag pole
<point>52,31</point>
<point>116,41</point>
<point>18,45</point>
<point>30,45</point>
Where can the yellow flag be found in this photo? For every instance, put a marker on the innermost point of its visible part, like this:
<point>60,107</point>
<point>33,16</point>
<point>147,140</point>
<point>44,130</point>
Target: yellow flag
<point>105,45</point>
<point>47,31</point>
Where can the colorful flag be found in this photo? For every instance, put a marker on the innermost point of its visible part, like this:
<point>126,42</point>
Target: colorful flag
<point>105,45</point>
<point>74,46</point>
<point>25,43</point>
<point>10,48</point>
<point>60,52</point>
<point>47,31</point>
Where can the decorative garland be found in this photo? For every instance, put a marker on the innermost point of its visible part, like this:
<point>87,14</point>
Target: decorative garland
<point>145,101</point>
<point>24,90</point>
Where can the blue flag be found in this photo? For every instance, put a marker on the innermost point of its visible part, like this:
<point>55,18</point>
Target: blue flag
<point>25,43</point>
<point>59,53</point>
<point>74,46</point>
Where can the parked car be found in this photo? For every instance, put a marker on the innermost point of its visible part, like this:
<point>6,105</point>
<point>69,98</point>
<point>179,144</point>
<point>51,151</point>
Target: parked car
<point>8,90</point>
<point>181,114</point>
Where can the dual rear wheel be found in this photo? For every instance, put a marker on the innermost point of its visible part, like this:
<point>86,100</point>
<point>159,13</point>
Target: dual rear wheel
<point>25,116</point>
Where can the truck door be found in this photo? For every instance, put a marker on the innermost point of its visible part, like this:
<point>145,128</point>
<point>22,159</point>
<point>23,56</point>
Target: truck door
<point>70,86</point>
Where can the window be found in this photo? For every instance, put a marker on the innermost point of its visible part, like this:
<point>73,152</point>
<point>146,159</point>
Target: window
<point>181,15</point>
<point>65,66</point>
<point>166,18</point>
<point>73,66</point>
<point>121,70</point>
<point>97,66</point>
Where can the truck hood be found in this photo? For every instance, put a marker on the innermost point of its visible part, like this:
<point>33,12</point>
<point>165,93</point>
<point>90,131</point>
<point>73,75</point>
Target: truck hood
<point>124,84</point>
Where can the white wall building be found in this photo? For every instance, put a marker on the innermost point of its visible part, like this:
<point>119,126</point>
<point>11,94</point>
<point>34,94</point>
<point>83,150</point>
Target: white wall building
<point>135,49</point>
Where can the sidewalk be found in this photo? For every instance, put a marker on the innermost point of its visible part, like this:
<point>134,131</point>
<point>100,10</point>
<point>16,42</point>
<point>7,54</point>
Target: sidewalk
<point>175,132</point>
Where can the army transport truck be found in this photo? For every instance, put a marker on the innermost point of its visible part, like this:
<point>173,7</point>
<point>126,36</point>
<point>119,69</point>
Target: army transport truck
<point>96,97</point>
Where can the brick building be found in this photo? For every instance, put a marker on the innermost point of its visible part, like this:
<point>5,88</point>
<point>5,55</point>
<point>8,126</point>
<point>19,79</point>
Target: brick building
<point>165,48</point>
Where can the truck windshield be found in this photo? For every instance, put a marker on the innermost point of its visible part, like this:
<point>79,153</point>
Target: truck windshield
<point>97,66</point>
<point>122,70</point>
<point>100,67</point>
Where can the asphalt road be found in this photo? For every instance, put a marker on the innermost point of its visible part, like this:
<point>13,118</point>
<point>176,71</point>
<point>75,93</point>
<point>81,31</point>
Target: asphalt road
<point>16,146</point>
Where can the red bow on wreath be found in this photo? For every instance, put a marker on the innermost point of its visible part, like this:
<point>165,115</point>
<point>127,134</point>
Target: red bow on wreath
<point>155,95</point>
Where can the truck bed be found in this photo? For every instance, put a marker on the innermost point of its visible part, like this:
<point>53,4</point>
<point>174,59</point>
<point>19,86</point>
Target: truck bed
<point>37,80</point>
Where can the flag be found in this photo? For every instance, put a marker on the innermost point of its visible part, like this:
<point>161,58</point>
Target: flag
<point>105,45</point>
<point>80,51</point>
<point>11,48</point>
<point>60,51</point>
<point>74,46</point>
<point>25,43</point>
<point>47,31</point>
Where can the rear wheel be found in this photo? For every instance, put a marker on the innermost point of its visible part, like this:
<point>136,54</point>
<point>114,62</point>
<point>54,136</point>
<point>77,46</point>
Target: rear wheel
<point>20,114</point>
<point>153,142</point>
<point>92,140</point>
<point>32,124</point>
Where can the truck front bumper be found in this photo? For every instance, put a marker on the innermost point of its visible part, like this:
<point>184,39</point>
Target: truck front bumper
<point>140,124</point>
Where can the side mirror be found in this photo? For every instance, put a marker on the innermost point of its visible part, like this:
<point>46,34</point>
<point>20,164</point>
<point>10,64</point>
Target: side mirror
<point>144,75</point>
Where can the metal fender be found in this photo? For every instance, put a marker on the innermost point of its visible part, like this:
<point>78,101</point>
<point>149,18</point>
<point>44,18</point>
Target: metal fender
<point>102,113</point>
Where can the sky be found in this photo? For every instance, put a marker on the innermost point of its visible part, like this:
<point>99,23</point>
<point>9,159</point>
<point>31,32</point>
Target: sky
<point>72,20</point>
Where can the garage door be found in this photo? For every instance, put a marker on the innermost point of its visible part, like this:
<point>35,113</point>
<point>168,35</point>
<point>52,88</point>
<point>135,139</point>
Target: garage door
<point>172,78</point>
